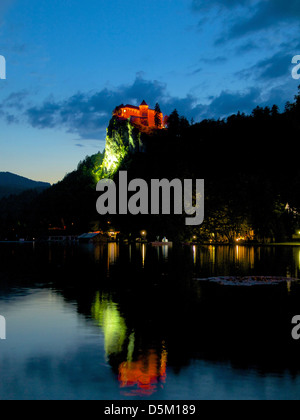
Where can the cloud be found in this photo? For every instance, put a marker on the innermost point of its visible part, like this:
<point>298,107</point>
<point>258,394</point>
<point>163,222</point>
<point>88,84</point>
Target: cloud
<point>277,66</point>
<point>247,47</point>
<point>202,5</point>
<point>44,116</point>
<point>11,119</point>
<point>269,13</point>
<point>88,114</point>
<point>12,106</point>
<point>228,103</point>
<point>16,99</point>
<point>197,71</point>
<point>246,17</point>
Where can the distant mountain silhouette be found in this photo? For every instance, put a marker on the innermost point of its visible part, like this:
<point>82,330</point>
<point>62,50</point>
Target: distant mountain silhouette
<point>15,184</point>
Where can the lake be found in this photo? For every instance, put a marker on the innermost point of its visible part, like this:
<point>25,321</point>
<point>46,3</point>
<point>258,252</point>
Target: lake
<point>117,322</point>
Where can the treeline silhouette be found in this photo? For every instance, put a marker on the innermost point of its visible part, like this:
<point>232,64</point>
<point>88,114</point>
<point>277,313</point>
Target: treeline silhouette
<point>249,163</point>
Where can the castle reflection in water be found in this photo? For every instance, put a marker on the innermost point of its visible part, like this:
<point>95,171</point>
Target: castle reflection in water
<point>139,373</point>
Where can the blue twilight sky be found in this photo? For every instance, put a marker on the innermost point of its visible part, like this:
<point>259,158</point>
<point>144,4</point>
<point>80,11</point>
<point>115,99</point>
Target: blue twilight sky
<point>69,63</point>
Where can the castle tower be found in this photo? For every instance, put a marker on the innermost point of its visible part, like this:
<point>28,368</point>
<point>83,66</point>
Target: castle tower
<point>144,113</point>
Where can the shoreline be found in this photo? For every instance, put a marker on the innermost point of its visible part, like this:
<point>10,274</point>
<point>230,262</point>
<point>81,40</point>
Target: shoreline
<point>290,244</point>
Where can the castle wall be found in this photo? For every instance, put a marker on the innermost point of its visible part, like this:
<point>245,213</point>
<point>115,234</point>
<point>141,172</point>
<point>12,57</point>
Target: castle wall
<point>142,115</point>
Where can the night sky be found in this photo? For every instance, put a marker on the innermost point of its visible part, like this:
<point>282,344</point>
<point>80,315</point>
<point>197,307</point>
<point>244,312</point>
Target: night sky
<point>69,63</point>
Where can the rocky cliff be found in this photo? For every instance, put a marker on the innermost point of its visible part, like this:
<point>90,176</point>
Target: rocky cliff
<point>123,139</point>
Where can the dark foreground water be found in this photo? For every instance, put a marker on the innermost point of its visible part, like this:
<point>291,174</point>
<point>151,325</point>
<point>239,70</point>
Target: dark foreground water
<point>110,322</point>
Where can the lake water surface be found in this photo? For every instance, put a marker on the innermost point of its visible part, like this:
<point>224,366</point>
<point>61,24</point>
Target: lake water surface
<point>112,322</point>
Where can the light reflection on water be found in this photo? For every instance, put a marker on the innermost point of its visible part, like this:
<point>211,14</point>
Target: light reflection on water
<point>110,322</point>
<point>246,259</point>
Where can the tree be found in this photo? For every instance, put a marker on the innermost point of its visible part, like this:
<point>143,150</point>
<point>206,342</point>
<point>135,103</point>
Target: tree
<point>157,118</point>
<point>297,98</point>
<point>275,111</point>
<point>183,124</point>
<point>258,112</point>
<point>288,107</point>
<point>174,121</point>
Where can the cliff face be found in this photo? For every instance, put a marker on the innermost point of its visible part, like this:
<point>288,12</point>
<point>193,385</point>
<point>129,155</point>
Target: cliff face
<point>122,140</point>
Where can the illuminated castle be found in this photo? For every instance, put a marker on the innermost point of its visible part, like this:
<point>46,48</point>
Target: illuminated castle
<point>140,115</point>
